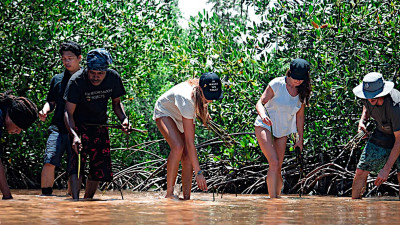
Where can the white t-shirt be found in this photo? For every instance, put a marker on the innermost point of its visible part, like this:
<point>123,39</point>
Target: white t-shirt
<point>176,103</point>
<point>281,109</point>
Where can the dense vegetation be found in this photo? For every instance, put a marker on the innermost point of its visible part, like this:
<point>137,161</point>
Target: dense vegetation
<point>343,40</point>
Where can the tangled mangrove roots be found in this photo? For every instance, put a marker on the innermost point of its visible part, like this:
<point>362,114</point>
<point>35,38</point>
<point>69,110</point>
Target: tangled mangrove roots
<point>329,172</point>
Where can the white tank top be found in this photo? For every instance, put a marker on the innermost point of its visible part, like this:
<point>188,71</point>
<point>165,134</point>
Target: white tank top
<point>282,109</point>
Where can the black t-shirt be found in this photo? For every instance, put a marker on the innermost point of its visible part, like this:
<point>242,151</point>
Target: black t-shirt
<point>3,112</point>
<point>91,101</point>
<point>56,94</point>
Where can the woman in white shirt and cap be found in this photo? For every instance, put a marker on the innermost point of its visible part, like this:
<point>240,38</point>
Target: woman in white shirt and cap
<point>280,113</point>
<point>175,113</point>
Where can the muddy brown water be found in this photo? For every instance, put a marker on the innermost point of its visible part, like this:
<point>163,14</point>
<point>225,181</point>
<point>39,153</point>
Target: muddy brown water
<point>28,207</point>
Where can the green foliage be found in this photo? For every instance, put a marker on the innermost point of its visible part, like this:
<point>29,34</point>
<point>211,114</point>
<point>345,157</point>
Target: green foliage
<point>139,34</point>
<point>343,40</point>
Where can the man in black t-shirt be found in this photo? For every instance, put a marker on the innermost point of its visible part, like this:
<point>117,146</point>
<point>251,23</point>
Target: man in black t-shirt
<point>58,141</point>
<point>382,103</point>
<point>87,95</point>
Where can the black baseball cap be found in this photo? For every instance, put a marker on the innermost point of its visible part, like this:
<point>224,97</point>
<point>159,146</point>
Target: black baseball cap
<point>299,69</point>
<point>211,86</point>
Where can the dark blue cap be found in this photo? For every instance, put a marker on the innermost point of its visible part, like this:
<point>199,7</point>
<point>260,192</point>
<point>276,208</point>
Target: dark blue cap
<point>211,86</point>
<point>299,69</point>
<point>98,59</point>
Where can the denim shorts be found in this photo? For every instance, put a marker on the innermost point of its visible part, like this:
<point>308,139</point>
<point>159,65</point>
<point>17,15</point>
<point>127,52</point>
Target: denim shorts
<point>96,147</point>
<point>373,158</point>
<point>57,145</point>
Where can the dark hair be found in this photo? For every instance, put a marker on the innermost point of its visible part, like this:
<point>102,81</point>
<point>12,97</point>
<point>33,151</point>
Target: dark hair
<point>200,105</point>
<point>304,89</point>
<point>71,46</point>
<point>22,111</point>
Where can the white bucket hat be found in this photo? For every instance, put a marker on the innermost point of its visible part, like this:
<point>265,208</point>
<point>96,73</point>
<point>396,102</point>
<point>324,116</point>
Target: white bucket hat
<point>373,86</point>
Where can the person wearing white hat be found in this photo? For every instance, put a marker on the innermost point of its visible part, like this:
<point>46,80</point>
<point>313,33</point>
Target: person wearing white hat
<point>381,102</point>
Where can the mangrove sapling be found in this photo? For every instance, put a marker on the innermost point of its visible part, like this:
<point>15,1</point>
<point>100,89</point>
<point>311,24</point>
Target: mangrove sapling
<point>299,161</point>
<point>221,133</point>
<point>116,126</point>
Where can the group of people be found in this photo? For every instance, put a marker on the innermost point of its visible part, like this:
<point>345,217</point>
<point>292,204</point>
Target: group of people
<point>78,97</point>
<point>281,112</point>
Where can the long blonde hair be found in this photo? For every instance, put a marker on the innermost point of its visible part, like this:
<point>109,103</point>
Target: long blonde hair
<point>200,105</point>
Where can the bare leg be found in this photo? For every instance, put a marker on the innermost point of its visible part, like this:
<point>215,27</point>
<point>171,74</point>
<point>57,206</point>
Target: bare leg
<point>75,186</point>
<point>47,177</point>
<point>187,175</point>
<point>359,183</point>
<point>91,188</point>
<point>264,139</point>
<point>69,191</point>
<point>398,178</point>
<point>280,147</point>
<point>3,183</point>
<point>172,135</point>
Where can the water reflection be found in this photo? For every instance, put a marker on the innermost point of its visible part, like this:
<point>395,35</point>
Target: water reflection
<point>152,208</point>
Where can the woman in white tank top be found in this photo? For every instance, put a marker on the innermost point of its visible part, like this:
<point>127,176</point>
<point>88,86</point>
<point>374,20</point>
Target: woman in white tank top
<point>283,114</point>
<point>175,113</point>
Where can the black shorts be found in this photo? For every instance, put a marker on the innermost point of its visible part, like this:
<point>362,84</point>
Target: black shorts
<point>96,145</point>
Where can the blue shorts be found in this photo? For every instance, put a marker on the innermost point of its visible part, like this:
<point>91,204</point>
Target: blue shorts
<point>57,145</point>
<point>373,158</point>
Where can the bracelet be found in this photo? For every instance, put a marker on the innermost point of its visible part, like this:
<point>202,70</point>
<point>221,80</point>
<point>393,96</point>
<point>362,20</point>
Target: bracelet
<point>199,173</point>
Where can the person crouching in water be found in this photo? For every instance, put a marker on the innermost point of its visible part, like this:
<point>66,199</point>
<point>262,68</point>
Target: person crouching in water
<point>175,113</point>
<point>285,99</point>
<point>16,114</point>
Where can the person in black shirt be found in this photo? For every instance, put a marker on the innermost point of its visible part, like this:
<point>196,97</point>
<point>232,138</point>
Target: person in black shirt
<point>58,141</point>
<point>381,102</point>
<point>87,95</point>
<point>16,114</point>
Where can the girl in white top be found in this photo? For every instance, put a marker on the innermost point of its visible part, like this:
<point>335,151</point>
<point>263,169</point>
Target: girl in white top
<point>175,113</point>
<point>284,99</point>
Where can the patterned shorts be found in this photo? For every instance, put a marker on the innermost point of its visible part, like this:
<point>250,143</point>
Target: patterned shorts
<point>373,158</point>
<point>96,145</point>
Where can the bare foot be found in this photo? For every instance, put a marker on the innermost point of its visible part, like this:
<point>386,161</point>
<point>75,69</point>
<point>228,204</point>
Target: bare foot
<point>174,197</point>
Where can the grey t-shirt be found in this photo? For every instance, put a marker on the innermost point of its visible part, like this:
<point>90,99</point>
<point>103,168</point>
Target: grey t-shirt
<point>387,116</point>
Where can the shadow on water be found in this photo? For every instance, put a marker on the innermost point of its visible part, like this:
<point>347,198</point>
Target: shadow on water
<point>28,207</point>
